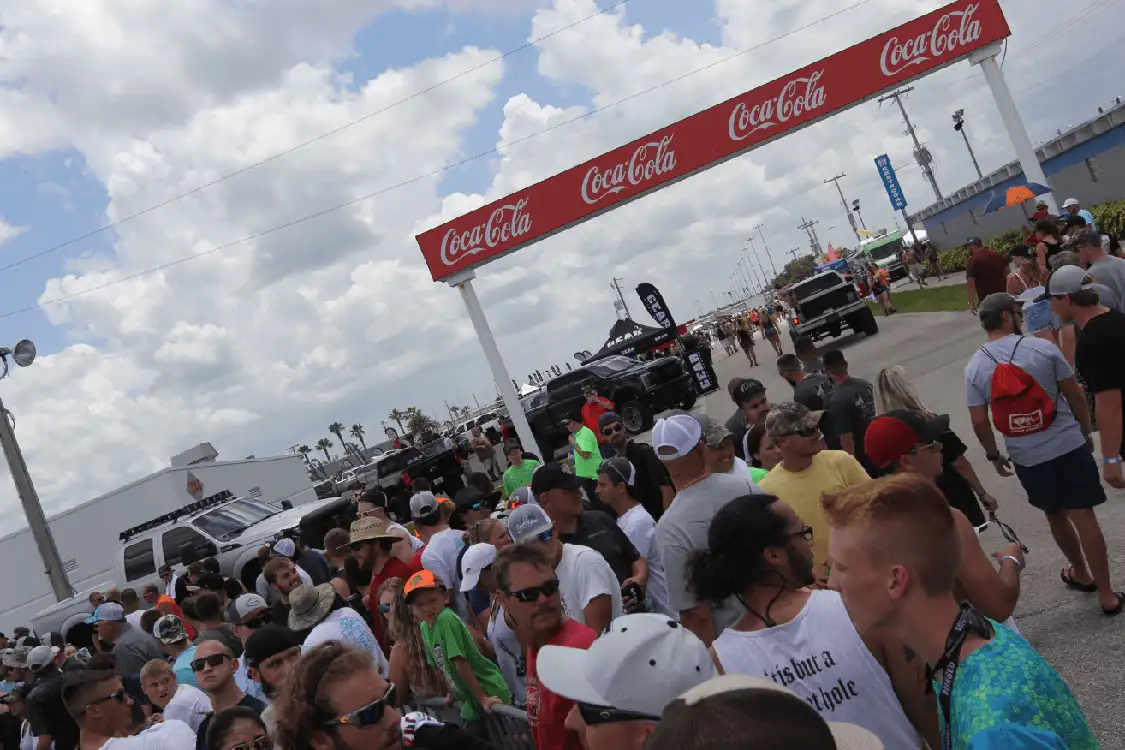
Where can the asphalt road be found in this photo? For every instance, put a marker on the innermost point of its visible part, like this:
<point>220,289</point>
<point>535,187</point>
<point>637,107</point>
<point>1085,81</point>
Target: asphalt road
<point>1067,627</point>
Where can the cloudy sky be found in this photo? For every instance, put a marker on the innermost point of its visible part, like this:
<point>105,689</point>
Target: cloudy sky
<point>266,113</point>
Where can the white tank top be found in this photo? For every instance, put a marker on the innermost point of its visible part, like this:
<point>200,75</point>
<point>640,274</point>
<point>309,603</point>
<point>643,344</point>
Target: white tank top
<point>820,656</point>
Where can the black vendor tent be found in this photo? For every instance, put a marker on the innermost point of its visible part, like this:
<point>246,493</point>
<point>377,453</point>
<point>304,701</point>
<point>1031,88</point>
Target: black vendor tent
<point>627,337</point>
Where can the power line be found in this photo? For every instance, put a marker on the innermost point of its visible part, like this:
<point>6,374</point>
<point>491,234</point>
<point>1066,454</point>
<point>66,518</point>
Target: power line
<point>311,141</point>
<point>418,178</point>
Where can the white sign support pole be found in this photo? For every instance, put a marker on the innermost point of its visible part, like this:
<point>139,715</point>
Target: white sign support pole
<point>464,283</point>
<point>1025,152</point>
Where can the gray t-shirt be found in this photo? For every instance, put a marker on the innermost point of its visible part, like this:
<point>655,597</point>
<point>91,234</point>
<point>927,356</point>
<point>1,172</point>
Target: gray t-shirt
<point>1110,271</point>
<point>1044,362</point>
<point>133,649</point>
<point>813,392</point>
<point>682,530</point>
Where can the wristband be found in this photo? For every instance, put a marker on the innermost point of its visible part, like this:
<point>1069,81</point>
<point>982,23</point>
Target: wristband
<point>1114,460</point>
<point>1019,565</point>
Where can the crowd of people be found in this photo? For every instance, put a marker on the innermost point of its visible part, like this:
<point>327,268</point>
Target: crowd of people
<point>806,574</point>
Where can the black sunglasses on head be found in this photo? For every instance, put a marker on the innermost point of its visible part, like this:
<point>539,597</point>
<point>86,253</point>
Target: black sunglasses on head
<point>213,660</point>
<point>532,594</point>
<point>593,715</point>
<point>368,716</point>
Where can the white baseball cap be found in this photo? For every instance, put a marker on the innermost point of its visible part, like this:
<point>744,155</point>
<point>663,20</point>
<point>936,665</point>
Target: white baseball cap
<point>676,436</point>
<point>641,664</point>
<point>1070,202</point>
<point>476,559</point>
<point>524,496</point>
<point>423,504</point>
<point>40,656</point>
<point>248,604</point>
<point>285,547</point>
<point>528,521</point>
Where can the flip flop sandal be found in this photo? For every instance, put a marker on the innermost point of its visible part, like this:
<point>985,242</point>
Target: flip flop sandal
<point>1067,575</point>
<point>1116,610</point>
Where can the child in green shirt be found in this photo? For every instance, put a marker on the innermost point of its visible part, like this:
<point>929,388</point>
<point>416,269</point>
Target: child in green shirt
<point>519,469</point>
<point>474,680</point>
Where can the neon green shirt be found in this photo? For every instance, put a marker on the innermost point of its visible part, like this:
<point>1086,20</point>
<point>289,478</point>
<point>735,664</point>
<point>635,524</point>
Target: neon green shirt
<point>757,474</point>
<point>449,639</point>
<point>519,476</point>
<point>587,441</point>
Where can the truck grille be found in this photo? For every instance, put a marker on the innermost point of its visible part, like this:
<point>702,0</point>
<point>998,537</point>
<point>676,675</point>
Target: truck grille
<point>833,300</point>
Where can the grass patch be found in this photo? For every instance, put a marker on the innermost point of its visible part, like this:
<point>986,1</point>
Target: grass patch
<point>934,299</point>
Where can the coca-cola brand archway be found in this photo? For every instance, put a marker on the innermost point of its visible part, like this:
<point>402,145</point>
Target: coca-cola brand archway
<point>713,136</point>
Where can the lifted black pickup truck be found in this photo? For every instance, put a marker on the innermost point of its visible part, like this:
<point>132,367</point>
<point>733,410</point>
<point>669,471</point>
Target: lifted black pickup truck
<point>640,390</point>
<point>825,304</point>
<point>432,461</point>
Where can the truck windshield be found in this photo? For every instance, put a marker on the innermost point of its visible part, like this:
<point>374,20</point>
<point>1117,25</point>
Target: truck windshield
<point>888,250</point>
<point>232,519</point>
<point>611,364</point>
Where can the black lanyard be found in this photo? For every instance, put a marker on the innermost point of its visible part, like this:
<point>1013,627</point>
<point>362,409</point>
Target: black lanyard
<point>968,621</point>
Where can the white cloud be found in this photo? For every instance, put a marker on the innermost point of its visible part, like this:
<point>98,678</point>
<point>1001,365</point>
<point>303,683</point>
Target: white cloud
<point>9,232</point>
<point>266,342</point>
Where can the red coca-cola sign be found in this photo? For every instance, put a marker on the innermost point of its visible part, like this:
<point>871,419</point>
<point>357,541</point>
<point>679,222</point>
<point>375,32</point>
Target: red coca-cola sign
<point>712,136</point>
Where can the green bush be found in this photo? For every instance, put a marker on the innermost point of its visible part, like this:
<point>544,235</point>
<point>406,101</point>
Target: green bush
<point>953,260</point>
<point>1110,217</point>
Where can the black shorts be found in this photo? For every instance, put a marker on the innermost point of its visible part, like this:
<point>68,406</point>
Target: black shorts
<point>878,289</point>
<point>1069,482</point>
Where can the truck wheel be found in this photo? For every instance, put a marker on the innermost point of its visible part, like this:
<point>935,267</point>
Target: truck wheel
<point>637,417</point>
<point>249,574</point>
<point>865,323</point>
<point>688,402</point>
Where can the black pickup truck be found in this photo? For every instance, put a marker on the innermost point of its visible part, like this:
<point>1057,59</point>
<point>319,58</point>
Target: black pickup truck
<point>432,461</point>
<point>639,390</point>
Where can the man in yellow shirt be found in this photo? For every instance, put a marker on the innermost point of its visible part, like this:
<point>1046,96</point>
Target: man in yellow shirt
<point>808,471</point>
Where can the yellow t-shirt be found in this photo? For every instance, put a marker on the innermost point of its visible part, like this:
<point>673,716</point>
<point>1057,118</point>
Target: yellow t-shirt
<point>831,471</point>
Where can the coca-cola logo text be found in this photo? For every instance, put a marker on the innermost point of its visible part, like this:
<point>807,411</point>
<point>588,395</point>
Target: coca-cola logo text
<point>505,224</point>
<point>797,97</point>
<point>649,160</point>
<point>951,32</point>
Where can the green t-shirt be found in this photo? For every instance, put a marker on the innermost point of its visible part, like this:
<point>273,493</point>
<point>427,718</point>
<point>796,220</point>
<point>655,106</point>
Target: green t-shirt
<point>449,639</point>
<point>757,474</point>
<point>587,468</point>
<point>519,476</point>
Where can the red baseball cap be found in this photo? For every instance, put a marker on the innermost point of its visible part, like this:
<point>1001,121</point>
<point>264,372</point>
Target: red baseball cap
<point>896,433</point>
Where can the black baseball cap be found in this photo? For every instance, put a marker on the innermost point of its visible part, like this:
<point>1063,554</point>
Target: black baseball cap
<point>551,476</point>
<point>375,496</point>
<point>974,241</point>
<point>469,496</point>
<point>267,641</point>
<point>747,390</point>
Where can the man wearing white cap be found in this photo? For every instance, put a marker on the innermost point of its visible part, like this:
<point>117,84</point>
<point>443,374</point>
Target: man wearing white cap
<point>284,548</point>
<point>476,573</point>
<point>132,648</point>
<point>590,592</point>
<point>682,530</point>
<point>50,722</point>
<point>1073,208</point>
<point>622,683</point>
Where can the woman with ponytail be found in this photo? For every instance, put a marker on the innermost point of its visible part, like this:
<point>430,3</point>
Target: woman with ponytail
<point>759,552</point>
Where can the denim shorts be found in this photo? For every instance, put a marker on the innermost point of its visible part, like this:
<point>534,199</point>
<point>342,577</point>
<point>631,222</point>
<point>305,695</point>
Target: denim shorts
<point>1069,482</point>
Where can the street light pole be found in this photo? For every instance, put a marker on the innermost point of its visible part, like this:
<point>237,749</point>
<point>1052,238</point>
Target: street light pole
<point>959,126</point>
<point>23,355</point>
<point>767,247</point>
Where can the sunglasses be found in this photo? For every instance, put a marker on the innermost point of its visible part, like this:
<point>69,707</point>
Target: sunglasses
<point>384,608</point>
<point>213,660</point>
<point>261,742</point>
<point>120,696</point>
<point>477,506</point>
<point>1008,532</point>
<point>593,715</point>
<point>257,622</point>
<point>528,595</point>
<point>546,536</point>
<point>612,429</point>
<point>368,716</point>
<point>927,447</point>
<point>805,532</point>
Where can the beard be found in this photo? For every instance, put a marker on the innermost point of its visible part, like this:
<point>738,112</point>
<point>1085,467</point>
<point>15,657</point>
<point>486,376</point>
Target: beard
<point>801,568</point>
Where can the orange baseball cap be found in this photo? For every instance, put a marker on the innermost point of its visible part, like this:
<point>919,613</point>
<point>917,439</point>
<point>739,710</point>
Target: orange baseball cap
<point>423,579</point>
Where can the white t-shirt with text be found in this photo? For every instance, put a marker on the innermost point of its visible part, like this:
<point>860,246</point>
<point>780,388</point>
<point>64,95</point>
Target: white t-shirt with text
<point>637,524</point>
<point>440,558</point>
<point>189,705</point>
<point>167,735</point>
<point>345,625</point>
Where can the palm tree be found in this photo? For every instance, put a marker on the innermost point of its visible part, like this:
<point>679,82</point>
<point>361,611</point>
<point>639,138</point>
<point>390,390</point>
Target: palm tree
<point>337,429</point>
<point>323,445</point>
<point>397,415</point>
<point>358,432</point>
<point>418,421</point>
<point>305,450</point>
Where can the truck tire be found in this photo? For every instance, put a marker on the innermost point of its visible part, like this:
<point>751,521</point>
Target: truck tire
<point>249,574</point>
<point>637,417</point>
<point>865,322</point>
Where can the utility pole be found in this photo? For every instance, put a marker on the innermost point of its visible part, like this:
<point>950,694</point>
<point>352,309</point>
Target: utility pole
<point>761,269</point>
<point>921,153</point>
<point>767,247</point>
<point>814,241</point>
<point>851,219</point>
<point>616,286</point>
<point>36,519</point>
<point>795,252</point>
<point>855,208</point>
<point>959,126</point>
